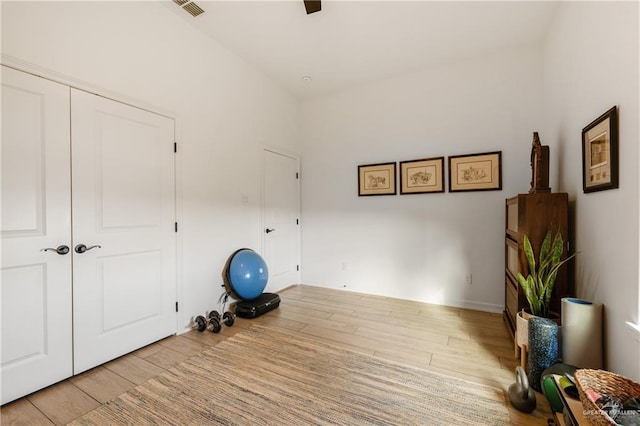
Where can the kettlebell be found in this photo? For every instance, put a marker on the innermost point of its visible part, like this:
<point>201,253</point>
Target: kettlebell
<point>521,395</point>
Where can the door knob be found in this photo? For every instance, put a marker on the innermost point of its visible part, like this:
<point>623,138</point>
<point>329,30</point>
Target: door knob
<point>81,248</point>
<point>61,250</point>
<point>269,230</point>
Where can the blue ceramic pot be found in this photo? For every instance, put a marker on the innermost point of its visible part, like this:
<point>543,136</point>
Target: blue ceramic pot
<point>543,349</point>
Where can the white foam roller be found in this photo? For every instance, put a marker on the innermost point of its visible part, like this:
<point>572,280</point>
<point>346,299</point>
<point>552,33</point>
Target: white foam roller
<point>581,333</point>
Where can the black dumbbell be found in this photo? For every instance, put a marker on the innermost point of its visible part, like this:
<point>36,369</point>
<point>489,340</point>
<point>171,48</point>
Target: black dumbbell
<point>213,314</point>
<point>199,323</point>
<point>228,318</point>
<point>214,318</point>
<point>214,322</point>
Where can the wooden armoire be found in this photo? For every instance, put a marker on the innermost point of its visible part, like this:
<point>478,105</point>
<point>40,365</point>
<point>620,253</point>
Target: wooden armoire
<point>532,215</point>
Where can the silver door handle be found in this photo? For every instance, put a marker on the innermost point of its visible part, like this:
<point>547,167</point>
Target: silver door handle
<point>81,248</point>
<point>269,230</point>
<point>61,250</point>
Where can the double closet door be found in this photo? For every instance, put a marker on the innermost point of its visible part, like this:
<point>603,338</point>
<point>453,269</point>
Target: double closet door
<point>88,266</point>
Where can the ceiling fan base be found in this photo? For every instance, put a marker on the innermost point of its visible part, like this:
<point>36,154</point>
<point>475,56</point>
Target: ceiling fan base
<point>312,6</point>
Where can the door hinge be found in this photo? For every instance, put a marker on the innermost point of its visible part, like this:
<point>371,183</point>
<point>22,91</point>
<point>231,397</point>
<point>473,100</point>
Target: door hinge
<point>297,267</point>
<point>297,221</point>
<point>297,175</point>
<point>175,147</point>
<point>176,306</point>
<point>176,226</point>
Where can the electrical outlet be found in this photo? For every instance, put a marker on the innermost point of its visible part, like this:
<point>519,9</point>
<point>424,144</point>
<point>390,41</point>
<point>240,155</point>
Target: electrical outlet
<point>344,266</point>
<point>467,279</point>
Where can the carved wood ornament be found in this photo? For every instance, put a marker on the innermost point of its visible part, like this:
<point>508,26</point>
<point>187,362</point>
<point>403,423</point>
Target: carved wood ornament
<point>539,166</point>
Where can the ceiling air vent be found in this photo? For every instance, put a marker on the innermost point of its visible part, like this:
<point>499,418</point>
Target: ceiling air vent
<point>190,7</point>
<point>193,9</point>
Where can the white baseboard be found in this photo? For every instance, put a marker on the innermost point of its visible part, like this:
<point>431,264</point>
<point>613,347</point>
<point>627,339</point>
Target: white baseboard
<point>477,306</point>
<point>465,304</point>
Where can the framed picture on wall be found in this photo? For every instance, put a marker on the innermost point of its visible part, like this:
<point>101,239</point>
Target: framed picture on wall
<point>422,176</point>
<point>600,153</point>
<point>475,172</point>
<point>377,179</point>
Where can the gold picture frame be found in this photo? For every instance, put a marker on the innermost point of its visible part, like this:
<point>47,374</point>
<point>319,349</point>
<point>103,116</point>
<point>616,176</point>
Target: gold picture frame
<point>422,176</point>
<point>377,179</point>
<point>600,153</point>
<point>475,172</point>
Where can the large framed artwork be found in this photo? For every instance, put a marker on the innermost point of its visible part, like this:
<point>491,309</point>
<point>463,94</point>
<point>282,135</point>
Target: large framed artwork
<point>475,172</point>
<point>422,176</point>
<point>600,153</point>
<point>377,179</point>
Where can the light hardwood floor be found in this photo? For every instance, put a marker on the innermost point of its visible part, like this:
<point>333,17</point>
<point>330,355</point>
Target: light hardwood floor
<point>463,343</point>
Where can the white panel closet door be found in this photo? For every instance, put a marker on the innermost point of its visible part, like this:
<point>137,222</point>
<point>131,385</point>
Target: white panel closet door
<point>36,214</point>
<point>281,214</point>
<point>124,288</point>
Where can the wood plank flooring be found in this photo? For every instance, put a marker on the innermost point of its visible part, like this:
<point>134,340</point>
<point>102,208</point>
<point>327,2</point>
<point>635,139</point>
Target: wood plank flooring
<point>462,343</point>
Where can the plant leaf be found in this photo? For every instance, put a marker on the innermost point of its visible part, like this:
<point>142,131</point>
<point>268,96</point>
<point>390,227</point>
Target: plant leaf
<point>558,247</point>
<point>544,253</point>
<point>534,297</point>
<point>538,285</point>
<point>528,251</point>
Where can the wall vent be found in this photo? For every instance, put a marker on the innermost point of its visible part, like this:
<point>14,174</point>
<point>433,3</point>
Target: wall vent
<point>190,7</point>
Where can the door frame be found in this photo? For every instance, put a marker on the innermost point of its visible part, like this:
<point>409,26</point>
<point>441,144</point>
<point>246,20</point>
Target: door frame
<point>182,320</point>
<point>296,158</point>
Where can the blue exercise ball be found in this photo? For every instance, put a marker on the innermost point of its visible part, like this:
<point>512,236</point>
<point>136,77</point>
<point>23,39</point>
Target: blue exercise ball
<point>247,274</point>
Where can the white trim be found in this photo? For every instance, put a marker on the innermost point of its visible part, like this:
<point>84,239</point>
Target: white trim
<point>76,83</point>
<point>455,303</point>
<point>283,151</point>
<point>182,321</point>
<point>477,306</point>
<point>635,327</point>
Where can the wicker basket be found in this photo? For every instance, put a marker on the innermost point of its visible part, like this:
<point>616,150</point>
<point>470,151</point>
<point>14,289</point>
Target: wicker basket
<point>605,383</point>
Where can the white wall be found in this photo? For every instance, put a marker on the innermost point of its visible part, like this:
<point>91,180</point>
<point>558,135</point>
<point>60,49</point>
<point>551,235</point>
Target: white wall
<point>413,246</point>
<point>226,112</point>
<point>418,246</point>
<point>591,64</point>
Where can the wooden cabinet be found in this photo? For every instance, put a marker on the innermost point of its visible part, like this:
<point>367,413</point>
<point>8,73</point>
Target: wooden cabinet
<point>532,215</point>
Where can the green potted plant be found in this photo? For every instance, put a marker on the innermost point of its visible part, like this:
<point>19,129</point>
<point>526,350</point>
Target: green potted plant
<point>538,285</point>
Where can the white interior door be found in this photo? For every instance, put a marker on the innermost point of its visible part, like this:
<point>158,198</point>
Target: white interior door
<point>124,288</point>
<point>281,219</point>
<point>36,214</point>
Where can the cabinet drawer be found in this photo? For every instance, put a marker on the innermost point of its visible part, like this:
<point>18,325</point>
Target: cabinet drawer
<point>511,301</point>
<point>511,257</point>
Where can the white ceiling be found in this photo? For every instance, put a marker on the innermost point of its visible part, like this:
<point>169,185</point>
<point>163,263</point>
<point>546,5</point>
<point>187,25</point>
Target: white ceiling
<point>349,43</point>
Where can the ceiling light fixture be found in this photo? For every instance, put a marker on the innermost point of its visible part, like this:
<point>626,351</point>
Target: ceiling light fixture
<point>306,79</point>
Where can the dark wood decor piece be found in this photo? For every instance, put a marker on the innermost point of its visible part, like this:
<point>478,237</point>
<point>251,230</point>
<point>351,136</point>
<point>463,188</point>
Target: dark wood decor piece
<point>532,215</point>
<point>539,166</point>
